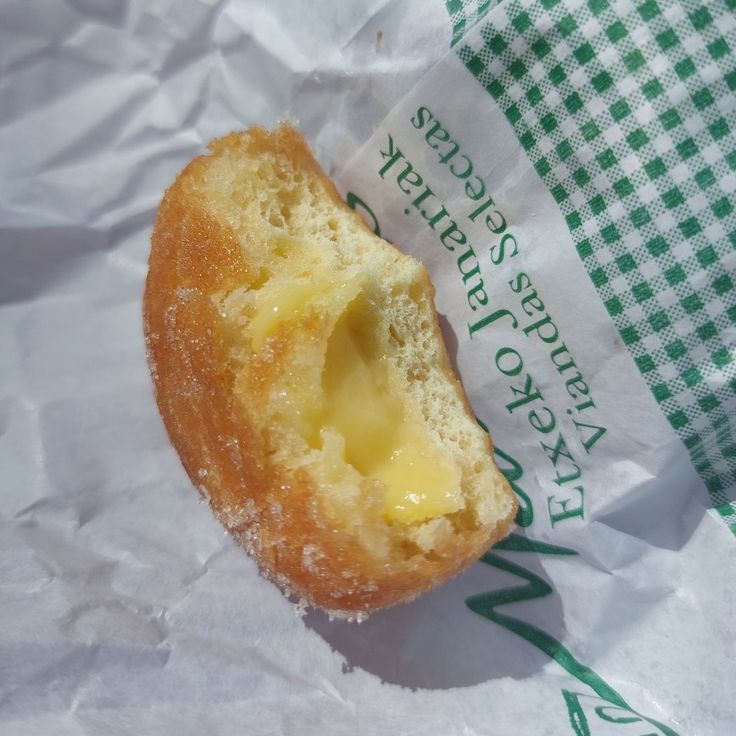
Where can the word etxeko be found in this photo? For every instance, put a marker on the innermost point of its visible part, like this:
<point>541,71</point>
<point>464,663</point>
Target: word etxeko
<point>532,317</point>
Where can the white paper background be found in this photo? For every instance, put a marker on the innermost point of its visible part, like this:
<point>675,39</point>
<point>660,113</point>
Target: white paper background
<point>123,606</point>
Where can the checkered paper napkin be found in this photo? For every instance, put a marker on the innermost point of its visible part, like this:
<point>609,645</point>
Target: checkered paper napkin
<point>627,111</point>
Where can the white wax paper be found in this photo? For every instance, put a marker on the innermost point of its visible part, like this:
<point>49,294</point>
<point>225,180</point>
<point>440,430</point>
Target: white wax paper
<point>124,608</point>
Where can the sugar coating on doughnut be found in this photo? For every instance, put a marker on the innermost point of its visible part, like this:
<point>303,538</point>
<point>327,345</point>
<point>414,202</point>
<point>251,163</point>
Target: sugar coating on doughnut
<point>302,377</point>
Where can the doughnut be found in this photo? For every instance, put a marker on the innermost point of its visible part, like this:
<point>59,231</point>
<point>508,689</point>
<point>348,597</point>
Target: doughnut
<point>301,375</point>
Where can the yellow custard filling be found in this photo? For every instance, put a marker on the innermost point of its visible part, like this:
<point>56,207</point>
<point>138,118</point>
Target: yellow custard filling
<point>383,439</point>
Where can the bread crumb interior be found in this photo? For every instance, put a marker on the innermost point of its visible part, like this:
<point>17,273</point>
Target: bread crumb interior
<point>338,359</point>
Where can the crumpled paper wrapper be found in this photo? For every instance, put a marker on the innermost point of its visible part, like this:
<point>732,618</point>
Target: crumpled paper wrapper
<point>124,608</point>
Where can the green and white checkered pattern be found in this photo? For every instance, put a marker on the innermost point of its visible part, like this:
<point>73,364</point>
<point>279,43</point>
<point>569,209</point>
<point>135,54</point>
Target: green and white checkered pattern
<point>464,14</point>
<point>627,110</point>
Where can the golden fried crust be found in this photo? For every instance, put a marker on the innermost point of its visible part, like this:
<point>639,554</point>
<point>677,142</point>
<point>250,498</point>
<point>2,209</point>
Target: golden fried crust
<point>271,510</point>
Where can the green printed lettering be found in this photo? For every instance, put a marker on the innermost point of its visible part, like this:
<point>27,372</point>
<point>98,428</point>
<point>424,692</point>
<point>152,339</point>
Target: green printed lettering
<point>520,543</point>
<point>393,155</point>
<point>575,713</point>
<point>432,221</point>
<point>497,257</point>
<point>487,605</point>
<point>593,437</point>
<point>469,253</point>
<point>532,300</point>
<point>424,195</point>
<point>496,227</point>
<point>549,336</point>
<point>477,293</point>
<point>562,350</point>
<point>411,177</point>
<point>540,424</point>
<point>624,714</point>
<point>510,367</point>
<point>513,473</point>
<point>565,513</point>
<point>560,480</point>
<point>473,272</point>
<point>468,169</point>
<point>354,201</point>
<point>454,148</point>
<point>517,284</point>
<point>438,133</point>
<point>577,382</point>
<point>490,319</point>
<point>525,513</point>
<point>475,193</point>
<point>558,450</point>
<point>481,208</point>
<point>602,713</point>
<point>453,234</point>
<point>528,394</point>
<point>419,118</point>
